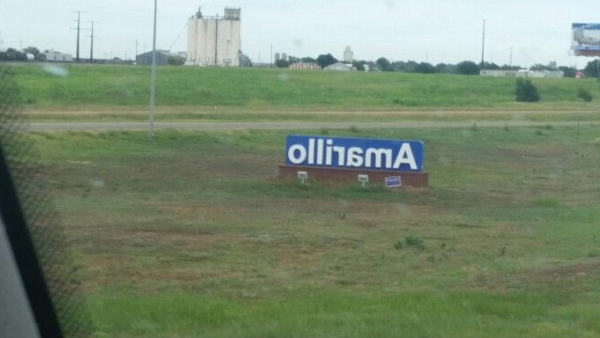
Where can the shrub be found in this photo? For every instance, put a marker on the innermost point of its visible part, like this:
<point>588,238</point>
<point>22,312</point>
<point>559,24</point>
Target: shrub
<point>584,95</point>
<point>398,245</point>
<point>415,242</point>
<point>176,60</point>
<point>526,91</point>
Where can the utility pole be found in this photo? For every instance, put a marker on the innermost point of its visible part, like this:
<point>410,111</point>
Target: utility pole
<point>78,35</point>
<point>511,54</point>
<point>153,80</point>
<point>271,56</point>
<point>483,45</point>
<point>136,49</point>
<point>92,43</point>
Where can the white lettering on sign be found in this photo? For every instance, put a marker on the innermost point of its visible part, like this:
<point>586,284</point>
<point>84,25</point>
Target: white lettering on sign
<point>297,154</point>
<point>325,152</point>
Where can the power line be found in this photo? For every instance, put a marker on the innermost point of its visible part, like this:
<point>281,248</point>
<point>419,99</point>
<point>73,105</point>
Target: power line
<point>178,36</point>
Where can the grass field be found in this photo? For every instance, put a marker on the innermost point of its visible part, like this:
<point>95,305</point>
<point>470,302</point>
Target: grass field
<point>188,91</point>
<point>189,234</point>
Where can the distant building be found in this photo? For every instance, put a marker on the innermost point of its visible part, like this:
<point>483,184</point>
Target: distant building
<point>523,73</point>
<point>54,56</point>
<point>348,55</point>
<point>305,66</point>
<point>182,55</point>
<point>162,58</point>
<point>340,67</point>
<point>215,40</point>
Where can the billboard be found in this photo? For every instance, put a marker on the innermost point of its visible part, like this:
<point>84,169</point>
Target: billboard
<point>354,153</point>
<point>586,39</point>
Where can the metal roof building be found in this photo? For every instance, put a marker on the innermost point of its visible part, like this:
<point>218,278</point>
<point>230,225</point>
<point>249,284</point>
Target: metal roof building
<point>162,58</point>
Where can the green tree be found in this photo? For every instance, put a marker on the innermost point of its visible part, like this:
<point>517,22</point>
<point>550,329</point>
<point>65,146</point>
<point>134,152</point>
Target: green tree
<point>384,65</point>
<point>325,60</point>
<point>425,68</point>
<point>569,71</point>
<point>507,67</point>
<point>32,50</point>
<point>467,68</point>
<point>591,69</point>
<point>445,68</point>
<point>410,66</point>
<point>490,66</point>
<point>281,63</point>
<point>360,65</point>
<point>540,67</point>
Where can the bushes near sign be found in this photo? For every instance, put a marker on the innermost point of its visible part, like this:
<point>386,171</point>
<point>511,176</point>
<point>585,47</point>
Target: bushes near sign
<point>584,95</point>
<point>526,91</point>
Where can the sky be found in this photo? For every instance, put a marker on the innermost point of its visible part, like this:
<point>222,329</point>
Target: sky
<point>449,31</point>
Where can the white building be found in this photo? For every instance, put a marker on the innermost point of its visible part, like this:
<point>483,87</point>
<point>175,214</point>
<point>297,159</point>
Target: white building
<point>340,67</point>
<point>54,56</point>
<point>215,41</point>
<point>523,73</point>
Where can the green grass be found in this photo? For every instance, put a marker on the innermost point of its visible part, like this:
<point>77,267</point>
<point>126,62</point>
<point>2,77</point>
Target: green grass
<point>189,234</point>
<point>99,87</point>
<point>349,315</point>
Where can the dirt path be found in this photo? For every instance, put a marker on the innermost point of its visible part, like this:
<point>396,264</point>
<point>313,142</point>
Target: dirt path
<point>206,126</point>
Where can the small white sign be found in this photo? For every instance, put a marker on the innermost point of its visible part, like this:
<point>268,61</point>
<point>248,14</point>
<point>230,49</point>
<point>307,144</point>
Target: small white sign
<point>302,176</point>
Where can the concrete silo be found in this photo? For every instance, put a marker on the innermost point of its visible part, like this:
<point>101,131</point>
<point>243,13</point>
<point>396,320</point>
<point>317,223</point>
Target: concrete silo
<point>215,40</point>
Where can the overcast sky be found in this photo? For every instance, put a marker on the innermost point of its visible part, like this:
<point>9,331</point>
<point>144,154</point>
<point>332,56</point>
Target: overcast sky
<point>421,30</point>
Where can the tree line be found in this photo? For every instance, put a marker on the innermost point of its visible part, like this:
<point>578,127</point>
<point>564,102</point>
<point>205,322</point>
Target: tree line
<point>464,68</point>
<point>592,68</point>
<point>13,54</point>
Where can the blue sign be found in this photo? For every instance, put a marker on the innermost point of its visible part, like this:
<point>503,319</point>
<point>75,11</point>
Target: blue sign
<point>393,182</point>
<point>354,153</point>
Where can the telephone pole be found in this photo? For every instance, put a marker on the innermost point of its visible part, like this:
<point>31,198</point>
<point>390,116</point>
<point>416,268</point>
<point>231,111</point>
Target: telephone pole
<point>153,79</point>
<point>92,36</point>
<point>483,45</point>
<point>511,54</point>
<point>78,35</point>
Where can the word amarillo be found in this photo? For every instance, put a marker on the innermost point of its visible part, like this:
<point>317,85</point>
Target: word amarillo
<point>359,153</point>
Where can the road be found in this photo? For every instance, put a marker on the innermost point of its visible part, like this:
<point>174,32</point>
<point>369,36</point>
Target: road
<point>208,126</point>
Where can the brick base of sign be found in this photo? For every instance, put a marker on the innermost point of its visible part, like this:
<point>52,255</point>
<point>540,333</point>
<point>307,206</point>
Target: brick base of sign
<point>417,180</point>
